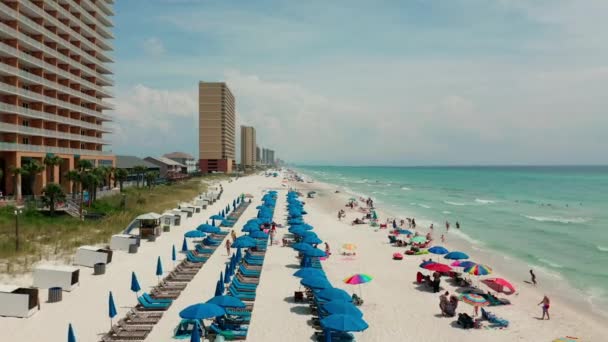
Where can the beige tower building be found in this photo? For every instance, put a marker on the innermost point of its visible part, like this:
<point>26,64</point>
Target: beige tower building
<point>248,147</point>
<point>54,79</point>
<point>216,113</point>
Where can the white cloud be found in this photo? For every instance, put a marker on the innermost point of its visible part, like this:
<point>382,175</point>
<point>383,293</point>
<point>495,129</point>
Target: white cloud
<point>153,46</point>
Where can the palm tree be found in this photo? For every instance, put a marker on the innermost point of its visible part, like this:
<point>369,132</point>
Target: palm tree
<point>151,178</point>
<point>51,161</point>
<point>90,180</point>
<point>33,168</point>
<point>139,170</point>
<point>17,174</point>
<point>84,168</point>
<point>52,193</point>
<point>74,177</point>
<point>100,174</point>
<point>120,175</point>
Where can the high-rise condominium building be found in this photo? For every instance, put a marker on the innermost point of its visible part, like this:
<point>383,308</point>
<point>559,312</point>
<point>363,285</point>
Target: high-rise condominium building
<point>54,79</point>
<point>258,155</point>
<point>216,110</point>
<point>248,147</point>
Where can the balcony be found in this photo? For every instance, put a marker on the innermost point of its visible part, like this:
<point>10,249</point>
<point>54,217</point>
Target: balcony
<point>7,49</point>
<point>25,130</point>
<point>52,85</point>
<point>36,114</point>
<point>102,27</point>
<point>103,11</point>
<point>50,149</point>
<point>9,31</point>
<point>49,18</point>
<point>32,96</point>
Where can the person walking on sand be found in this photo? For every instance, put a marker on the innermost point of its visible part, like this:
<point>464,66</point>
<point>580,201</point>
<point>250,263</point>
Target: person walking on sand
<point>228,244</point>
<point>546,304</point>
<point>233,235</point>
<point>442,238</point>
<point>447,226</point>
<point>533,277</point>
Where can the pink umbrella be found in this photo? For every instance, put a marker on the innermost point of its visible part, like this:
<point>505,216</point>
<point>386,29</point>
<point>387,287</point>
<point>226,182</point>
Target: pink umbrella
<point>437,267</point>
<point>498,285</point>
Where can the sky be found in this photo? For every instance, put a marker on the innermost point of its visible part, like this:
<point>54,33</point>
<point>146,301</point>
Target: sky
<point>411,82</point>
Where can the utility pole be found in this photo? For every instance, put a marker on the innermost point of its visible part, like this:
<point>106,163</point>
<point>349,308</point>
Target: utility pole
<point>17,213</point>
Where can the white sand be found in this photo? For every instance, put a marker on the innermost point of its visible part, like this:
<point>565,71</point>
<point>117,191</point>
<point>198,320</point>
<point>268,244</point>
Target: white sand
<point>87,306</point>
<point>394,308</point>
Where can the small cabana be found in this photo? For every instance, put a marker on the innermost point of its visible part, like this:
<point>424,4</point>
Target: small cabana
<point>62,276</point>
<point>171,219</point>
<point>18,301</point>
<point>149,225</point>
<point>121,242</point>
<point>90,255</point>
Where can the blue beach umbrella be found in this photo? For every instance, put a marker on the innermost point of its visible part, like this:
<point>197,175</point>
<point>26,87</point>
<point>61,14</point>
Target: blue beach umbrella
<point>159,268</point>
<point>456,256</point>
<point>244,242</point>
<point>314,252</point>
<point>184,245</point>
<point>316,282</point>
<point>308,272</point>
<point>250,229</point>
<point>334,294</point>
<point>216,217</point>
<point>343,323</point>
<point>196,334</point>
<point>135,283</point>
<point>202,311</point>
<point>226,302</point>
<point>341,307</point>
<point>194,234</point>
<point>258,235</point>
<point>111,308</point>
<point>301,246</point>
<point>405,232</point>
<point>173,254</point>
<point>313,240</point>
<point>71,335</point>
<point>438,250</point>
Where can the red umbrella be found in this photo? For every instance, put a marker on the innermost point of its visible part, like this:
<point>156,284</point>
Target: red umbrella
<point>499,284</point>
<point>437,267</point>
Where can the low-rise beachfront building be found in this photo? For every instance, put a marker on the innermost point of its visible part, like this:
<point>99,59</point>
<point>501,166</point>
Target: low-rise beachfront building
<point>184,159</point>
<point>130,163</point>
<point>169,169</point>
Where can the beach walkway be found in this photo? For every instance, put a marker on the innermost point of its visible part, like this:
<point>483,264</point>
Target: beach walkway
<point>275,317</point>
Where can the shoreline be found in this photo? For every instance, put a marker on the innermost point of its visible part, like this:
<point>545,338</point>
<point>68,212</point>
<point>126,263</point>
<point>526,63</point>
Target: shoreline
<point>511,268</point>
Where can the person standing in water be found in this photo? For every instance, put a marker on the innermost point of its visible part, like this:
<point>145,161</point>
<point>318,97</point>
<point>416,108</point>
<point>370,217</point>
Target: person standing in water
<point>457,225</point>
<point>533,277</point>
<point>447,226</point>
<point>546,304</point>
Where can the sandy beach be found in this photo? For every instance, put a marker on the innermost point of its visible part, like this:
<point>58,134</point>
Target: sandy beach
<point>395,307</point>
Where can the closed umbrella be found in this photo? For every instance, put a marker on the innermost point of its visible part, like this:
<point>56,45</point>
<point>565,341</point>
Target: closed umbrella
<point>218,289</point>
<point>227,273</point>
<point>135,284</point>
<point>456,256</point>
<point>173,254</point>
<point>184,245</point>
<point>111,308</point>
<point>159,269</point>
<point>438,250</point>
<point>71,335</point>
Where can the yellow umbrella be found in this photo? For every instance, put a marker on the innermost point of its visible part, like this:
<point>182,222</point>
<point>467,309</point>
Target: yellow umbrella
<point>349,246</point>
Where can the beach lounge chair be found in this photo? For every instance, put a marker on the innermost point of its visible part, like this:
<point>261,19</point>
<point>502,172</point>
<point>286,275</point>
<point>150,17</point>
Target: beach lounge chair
<point>247,280</point>
<point>236,281</point>
<point>337,336</point>
<point>242,289</point>
<point>202,250</point>
<point>229,335</point>
<point>249,296</point>
<point>145,305</point>
<point>193,258</point>
<point>249,273</point>
<point>149,299</point>
<point>116,333</point>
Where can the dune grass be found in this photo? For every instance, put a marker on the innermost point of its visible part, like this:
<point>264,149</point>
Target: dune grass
<point>44,237</point>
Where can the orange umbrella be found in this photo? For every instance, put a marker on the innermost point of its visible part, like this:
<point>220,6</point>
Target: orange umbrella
<point>499,284</point>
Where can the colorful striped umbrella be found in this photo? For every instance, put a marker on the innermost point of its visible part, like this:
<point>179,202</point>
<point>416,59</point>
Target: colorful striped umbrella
<point>358,279</point>
<point>463,264</point>
<point>474,299</point>
<point>478,270</point>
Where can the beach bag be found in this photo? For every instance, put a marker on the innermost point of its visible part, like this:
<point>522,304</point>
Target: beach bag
<point>397,256</point>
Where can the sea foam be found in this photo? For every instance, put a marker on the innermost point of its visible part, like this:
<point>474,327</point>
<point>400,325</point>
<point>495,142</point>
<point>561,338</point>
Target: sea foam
<point>454,203</point>
<point>405,188</point>
<point>484,201</point>
<point>602,248</point>
<point>556,219</point>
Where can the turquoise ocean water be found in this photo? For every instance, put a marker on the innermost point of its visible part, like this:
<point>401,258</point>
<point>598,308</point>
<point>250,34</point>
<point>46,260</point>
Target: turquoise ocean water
<point>551,218</point>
